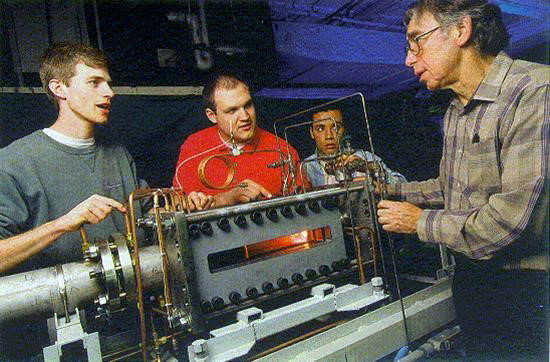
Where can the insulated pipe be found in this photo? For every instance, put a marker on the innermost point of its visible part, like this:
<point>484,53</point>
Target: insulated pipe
<point>37,293</point>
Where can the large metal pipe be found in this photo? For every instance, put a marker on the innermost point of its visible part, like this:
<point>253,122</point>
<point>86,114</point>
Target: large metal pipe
<point>38,293</point>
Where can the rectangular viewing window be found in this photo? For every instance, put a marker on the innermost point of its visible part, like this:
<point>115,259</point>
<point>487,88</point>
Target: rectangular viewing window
<point>251,253</point>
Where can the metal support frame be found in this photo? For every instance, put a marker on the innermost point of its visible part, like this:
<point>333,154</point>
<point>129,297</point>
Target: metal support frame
<point>253,324</point>
<point>67,330</point>
<point>378,333</point>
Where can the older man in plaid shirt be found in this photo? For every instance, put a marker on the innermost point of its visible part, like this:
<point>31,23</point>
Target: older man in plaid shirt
<point>489,204</point>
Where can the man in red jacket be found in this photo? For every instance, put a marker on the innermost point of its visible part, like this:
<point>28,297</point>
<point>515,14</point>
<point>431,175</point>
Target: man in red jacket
<point>234,160</point>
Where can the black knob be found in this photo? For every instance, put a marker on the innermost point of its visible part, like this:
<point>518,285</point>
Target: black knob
<point>314,206</point>
<point>206,306</point>
<point>311,274</point>
<point>194,231</point>
<point>297,279</point>
<point>206,228</point>
<point>235,297</point>
<point>301,209</point>
<point>267,287</point>
<point>252,292</point>
<point>223,224</point>
<point>337,266</point>
<point>240,221</point>
<point>218,303</point>
<point>257,218</point>
<point>329,203</point>
<point>286,211</point>
<point>324,270</point>
<point>283,283</point>
<point>272,215</point>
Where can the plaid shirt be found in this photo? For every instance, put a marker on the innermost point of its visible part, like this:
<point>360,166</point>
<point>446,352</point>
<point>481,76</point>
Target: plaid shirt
<point>491,186</point>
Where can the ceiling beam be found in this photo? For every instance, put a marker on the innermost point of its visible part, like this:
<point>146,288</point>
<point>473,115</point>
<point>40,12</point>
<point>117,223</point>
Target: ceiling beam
<point>338,44</point>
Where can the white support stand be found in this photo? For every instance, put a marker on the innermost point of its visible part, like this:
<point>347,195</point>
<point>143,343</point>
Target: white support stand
<point>253,324</point>
<point>63,332</point>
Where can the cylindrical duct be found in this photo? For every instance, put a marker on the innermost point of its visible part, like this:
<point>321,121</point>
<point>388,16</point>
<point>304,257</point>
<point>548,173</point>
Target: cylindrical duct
<point>36,293</point>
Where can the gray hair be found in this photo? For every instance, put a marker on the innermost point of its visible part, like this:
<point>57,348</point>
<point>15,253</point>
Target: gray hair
<point>489,34</point>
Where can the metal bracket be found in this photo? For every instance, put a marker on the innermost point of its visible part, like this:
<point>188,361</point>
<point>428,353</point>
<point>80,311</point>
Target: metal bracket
<point>67,330</point>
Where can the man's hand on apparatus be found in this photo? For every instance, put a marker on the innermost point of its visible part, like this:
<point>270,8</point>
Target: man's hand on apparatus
<point>92,210</point>
<point>351,162</point>
<point>399,217</point>
<point>17,248</point>
<point>200,201</point>
<point>246,191</point>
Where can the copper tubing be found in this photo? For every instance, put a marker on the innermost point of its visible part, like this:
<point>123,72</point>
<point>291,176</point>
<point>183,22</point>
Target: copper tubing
<point>297,339</point>
<point>359,258</point>
<point>177,198</point>
<point>183,201</point>
<point>164,264</point>
<point>158,311</point>
<point>130,351</point>
<point>166,202</point>
<point>156,342</point>
<point>226,159</point>
<point>128,228</point>
<point>230,174</point>
<point>85,243</point>
<point>134,196</point>
<point>139,285</point>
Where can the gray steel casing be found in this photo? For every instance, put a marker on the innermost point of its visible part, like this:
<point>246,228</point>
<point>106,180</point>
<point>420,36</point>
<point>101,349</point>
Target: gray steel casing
<point>237,279</point>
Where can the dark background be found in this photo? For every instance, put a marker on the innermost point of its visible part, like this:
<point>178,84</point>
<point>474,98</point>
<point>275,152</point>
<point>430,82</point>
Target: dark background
<point>405,124</point>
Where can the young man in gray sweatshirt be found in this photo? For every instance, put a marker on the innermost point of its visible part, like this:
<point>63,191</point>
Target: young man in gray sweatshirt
<point>59,178</point>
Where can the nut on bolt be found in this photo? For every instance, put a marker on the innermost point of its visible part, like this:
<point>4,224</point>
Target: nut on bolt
<point>91,252</point>
<point>377,286</point>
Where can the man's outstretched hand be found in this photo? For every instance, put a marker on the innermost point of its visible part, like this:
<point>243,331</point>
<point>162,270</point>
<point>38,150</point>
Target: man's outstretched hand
<point>92,210</point>
<point>398,217</point>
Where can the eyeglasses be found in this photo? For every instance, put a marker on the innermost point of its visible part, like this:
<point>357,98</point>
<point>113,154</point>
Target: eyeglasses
<point>413,46</point>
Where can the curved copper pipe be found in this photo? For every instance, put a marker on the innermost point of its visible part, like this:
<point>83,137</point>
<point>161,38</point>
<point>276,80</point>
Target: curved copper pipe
<point>137,267</point>
<point>132,237</point>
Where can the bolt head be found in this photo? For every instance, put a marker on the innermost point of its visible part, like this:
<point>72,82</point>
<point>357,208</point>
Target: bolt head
<point>199,346</point>
<point>377,282</point>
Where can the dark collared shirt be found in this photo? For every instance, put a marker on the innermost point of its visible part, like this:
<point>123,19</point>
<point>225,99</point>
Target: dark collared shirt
<point>490,192</point>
